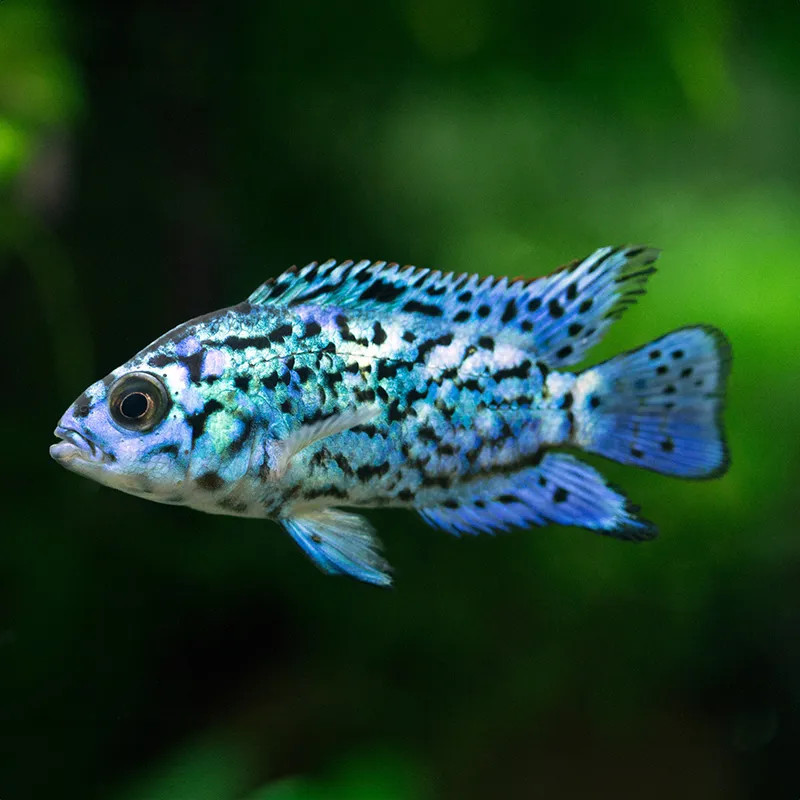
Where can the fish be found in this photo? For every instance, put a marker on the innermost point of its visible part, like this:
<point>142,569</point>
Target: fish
<point>370,385</point>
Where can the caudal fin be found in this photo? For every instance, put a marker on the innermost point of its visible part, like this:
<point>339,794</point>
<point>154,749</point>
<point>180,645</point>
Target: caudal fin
<point>660,406</point>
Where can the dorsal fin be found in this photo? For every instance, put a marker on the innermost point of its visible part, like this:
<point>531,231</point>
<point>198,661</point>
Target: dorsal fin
<point>558,316</point>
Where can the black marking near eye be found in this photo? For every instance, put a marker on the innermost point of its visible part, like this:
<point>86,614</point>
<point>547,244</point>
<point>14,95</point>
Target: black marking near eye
<point>82,406</point>
<point>486,342</point>
<point>555,308</point>
<point>378,334</point>
<point>194,365</point>
<point>413,306</point>
<point>560,495</point>
<point>166,450</point>
<point>197,422</point>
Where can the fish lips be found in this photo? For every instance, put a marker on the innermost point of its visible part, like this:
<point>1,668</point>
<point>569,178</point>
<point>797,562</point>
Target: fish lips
<point>75,449</point>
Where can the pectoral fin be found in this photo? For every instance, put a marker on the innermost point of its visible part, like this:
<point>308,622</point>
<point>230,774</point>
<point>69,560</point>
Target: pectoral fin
<point>306,435</point>
<point>340,543</point>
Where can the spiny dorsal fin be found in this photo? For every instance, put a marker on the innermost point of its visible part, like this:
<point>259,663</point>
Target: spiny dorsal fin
<point>558,316</point>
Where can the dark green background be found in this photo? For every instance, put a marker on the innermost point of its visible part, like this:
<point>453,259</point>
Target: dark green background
<point>158,160</point>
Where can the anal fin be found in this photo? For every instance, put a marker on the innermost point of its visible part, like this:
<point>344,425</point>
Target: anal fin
<point>340,544</point>
<point>560,489</point>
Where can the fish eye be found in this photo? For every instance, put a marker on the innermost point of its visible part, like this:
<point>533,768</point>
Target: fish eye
<point>138,401</point>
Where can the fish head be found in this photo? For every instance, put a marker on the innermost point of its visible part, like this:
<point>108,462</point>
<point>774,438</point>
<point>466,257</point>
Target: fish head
<point>153,429</point>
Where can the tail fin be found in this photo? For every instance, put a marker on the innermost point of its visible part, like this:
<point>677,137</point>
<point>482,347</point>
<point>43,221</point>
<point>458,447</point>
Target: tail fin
<point>660,406</point>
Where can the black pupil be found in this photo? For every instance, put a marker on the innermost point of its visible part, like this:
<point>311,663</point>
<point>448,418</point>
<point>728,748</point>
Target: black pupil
<point>134,405</point>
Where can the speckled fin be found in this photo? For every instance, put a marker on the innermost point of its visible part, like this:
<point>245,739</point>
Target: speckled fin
<point>340,543</point>
<point>558,317</point>
<point>560,489</point>
<point>313,432</point>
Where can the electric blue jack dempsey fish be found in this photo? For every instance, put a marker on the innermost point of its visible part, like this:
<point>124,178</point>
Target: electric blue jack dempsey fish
<point>374,385</point>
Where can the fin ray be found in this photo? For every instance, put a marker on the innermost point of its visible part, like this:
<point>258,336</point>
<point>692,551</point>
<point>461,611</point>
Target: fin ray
<point>560,489</point>
<point>660,406</point>
<point>340,544</point>
<point>558,316</point>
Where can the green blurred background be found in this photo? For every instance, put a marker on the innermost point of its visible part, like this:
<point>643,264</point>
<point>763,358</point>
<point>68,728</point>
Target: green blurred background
<point>158,160</point>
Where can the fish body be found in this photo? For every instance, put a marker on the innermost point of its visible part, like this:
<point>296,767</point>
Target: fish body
<point>367,384</point>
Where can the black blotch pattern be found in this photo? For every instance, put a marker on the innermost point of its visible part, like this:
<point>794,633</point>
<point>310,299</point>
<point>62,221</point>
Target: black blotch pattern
<point>636,452</point>
<point>566,400</point>
<point>286,406</point>
<point>483,311</point>
<point>654,354</point>
<point>382,292</point>
<point>686,372</point>
<point>594,401</point>
<point>197,422</point>
<point>560,495</point>
<point>510,311</point>
<point>242,382</point>
<point>303,374</point>
<point>535,304</point>
<point>572,291</point>
<point>507,499</point>
<point>242,342</point>
<point>676,354</point>
<point>209,481</point>
<point>462,316</point>
<point>486,342</point>
<point>585,305</point>
<point>409,336</point>
<point>378,333</point>
<point>194,365</point>
<point>280,333</point>
<point>465,297</point>
<point>565,351</point>
<point>661,369</point>
<point>414,306</point>
<point>555,308</point>
<point>520,371</point>
<point>313,328</point>
<point>667,445</point>
<point>270,381</point>
<point>574,329</point>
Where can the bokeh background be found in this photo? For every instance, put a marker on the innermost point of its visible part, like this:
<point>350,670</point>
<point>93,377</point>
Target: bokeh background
<point>158,160</point>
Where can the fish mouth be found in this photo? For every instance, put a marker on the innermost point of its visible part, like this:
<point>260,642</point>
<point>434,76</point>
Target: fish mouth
<point>74,445</point>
